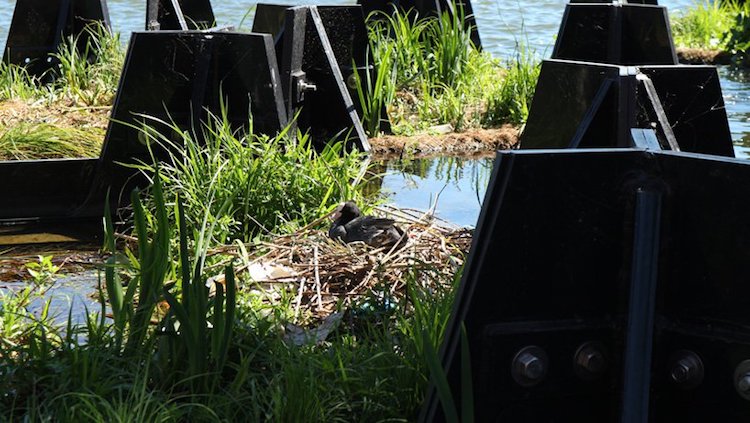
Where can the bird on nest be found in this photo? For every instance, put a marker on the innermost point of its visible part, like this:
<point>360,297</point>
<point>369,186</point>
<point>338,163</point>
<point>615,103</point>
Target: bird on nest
<point>349,225</point>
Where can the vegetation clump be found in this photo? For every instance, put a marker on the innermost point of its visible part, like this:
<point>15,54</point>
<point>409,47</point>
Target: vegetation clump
<point>68,116</point>
<point>713,31</point>
<point>429,73</point>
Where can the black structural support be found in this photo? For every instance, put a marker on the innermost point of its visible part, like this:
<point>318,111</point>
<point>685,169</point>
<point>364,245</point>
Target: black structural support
<point>179,15</point>
<point>605,285</point>
<point>39,27</point>
<point>640,328</point>
<point>316,47</point>
<point>592,105</point>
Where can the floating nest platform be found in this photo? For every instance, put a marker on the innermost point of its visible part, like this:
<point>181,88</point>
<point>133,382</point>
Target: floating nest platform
<point>325,276</point>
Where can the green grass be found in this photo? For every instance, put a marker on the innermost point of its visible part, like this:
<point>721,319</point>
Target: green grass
<point>429,73</point>
<point>27,141</point>
<point>84,77</point>
<point>241,185</point>
<point>704,25</point>
<point>192,367</point>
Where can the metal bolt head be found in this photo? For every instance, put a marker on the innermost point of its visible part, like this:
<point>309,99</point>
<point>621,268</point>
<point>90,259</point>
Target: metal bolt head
<point>680,372</point>
<point>686,369</point>
<point>529,366</point>
<point>590,360</point>
<point>743,385</point>
<point>742,379</point>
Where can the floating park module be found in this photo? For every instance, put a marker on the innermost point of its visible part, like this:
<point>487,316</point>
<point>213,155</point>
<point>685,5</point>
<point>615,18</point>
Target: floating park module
<point>606,278</point>
<point>178,80</point>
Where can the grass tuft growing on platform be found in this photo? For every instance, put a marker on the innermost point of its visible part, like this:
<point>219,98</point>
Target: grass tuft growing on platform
<point>430,74</point>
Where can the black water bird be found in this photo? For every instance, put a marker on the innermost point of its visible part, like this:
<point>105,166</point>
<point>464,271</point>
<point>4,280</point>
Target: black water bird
<point>349,226</point>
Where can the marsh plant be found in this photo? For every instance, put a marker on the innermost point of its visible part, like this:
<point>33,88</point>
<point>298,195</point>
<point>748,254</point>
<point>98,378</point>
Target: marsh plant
<point>241,185</point>
<point>428,72</point>
<point>86,75</point>
<point>714,25</point>
<point>214,357</point>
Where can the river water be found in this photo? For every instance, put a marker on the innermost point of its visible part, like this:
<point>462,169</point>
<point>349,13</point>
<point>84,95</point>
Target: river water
<point>458,184</point>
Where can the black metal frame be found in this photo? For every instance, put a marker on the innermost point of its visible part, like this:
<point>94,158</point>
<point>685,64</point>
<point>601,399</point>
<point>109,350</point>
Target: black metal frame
<point>682,105</point>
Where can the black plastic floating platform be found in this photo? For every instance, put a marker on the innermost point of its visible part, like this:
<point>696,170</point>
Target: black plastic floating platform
<point>179,15</point>
<point>317,47</point>
<point>39,27</point>
<point>170,79</point>
<point>579,104</point>
<point>624,34</point>
<point>606,286</point>
<point>180,77</point>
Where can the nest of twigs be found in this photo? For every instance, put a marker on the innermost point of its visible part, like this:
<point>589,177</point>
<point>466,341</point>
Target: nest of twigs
<point>324,274</point>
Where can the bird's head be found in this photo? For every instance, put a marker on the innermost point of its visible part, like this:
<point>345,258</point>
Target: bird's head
<point>345,212</point>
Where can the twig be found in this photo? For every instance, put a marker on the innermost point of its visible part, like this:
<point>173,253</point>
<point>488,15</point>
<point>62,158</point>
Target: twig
<point>317,278</point>
<point>299,296</point>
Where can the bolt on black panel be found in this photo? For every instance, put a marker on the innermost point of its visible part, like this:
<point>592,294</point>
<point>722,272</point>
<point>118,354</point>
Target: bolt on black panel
<point>425,8</point>
<point>179,15</point>
<point>317,46</point>
<point>180,77</point>
<point>627,34</point>
<point>39,27</point>
<point>547,298</point>
<point>579,104</point>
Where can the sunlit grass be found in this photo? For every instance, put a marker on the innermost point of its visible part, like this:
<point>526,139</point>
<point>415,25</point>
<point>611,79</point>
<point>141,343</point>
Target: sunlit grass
<point>705,24</point>
<point>430,74</point>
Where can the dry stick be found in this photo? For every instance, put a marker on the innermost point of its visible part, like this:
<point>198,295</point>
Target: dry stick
<point>317,278</point>
<point>299,296</point>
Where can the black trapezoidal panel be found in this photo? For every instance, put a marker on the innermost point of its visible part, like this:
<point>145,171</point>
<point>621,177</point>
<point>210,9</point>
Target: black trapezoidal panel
<point>579,104</point>
<point>316,47</point>
<point>40,26</point>
<point>627,34</point>
<point>180,77</point>
<point>35,190</point>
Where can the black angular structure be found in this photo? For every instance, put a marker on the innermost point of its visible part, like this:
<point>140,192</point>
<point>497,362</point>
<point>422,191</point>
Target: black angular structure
<point>426,8</point>
<point>317,46</point>
<point>614,68</point>
<point>39,27</point>
<point>587,105</point>
<point>179,15</point>
<point>174,77</point>
<point>608,284</point>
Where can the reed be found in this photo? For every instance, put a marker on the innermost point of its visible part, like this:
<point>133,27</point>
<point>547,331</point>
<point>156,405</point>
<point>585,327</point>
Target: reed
<point>244,185</point>
<point>428,73</point>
